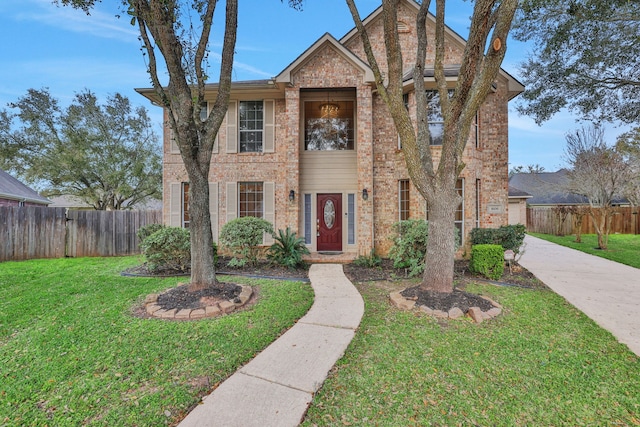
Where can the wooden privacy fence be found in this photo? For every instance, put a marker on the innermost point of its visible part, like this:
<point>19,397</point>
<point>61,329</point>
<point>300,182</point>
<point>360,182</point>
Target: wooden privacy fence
<point>626,220</point>
<point>29,232</point>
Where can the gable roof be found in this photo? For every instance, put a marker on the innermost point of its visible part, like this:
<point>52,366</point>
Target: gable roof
<point>547,188</point>
<point>326,39</point>
<point>12,189</point>
<point>514,86</point>
<point>516,193</point>
<point>270,86</point>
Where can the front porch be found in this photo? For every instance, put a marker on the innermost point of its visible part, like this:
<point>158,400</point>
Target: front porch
<point>330,257</point>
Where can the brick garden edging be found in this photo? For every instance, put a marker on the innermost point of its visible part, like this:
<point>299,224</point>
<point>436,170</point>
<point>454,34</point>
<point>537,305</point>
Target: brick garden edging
<point>217,309</point>
<point>475,313</point>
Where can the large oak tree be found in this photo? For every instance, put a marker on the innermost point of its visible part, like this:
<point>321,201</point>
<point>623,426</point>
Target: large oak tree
<point>586,58</point>
<point>106,154</point>
<point>179,30</point>
<point>483,55</point>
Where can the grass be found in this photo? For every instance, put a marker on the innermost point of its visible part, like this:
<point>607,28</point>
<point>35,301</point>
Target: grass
<point>540,363</point>
<point>72,354</point>
<point>622,248</point>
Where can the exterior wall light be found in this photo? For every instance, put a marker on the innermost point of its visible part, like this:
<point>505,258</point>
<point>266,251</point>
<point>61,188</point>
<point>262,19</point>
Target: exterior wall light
<point>292,195</point>
<point>365,194</point>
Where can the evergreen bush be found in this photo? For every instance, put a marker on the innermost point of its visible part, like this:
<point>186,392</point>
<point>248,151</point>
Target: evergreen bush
<point>242,237</point>
<point>510,237</point>
<point>168,249</point>
<point>488,260</point>
<point>409,245</point>
<point>148,230</point>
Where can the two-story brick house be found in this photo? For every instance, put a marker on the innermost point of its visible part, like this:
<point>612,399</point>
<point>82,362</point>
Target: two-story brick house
<point>315,149</point>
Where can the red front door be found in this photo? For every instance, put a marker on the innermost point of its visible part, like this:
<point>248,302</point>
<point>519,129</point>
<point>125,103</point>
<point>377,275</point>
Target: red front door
<point>329,222</point>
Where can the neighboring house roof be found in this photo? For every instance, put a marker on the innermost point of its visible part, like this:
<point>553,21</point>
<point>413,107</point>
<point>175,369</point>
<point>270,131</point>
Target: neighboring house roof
<point>12,189</point>
<point>516,193</point>
<point>71,202</point>
<point>149,205</point>
<point>549,188</point>
<point>546,188</point>
<point>76,203</point>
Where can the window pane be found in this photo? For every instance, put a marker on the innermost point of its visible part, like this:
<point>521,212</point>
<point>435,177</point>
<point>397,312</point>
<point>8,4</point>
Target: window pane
<point>329,125</point>
<point>437,132</point>
<point>250,196</point>
<point>434,115</point>
<point>351,219</point>
<point>403,196</point>
<point>433,104</point>
<point>204,113</point>
<point>459,220</point>
<point>307,219</point>
<point>185,205</point>
<point>477,203</point>
<point>251,125</point>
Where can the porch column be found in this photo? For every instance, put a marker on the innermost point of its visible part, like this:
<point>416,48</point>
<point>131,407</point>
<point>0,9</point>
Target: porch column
<point>365,224</point>
<point>291,138</point>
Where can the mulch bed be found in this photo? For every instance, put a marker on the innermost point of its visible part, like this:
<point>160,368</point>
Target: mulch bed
<point>262,269</point>
<point>180,297</point>
<point>516,276</point>
<point>445,302</point>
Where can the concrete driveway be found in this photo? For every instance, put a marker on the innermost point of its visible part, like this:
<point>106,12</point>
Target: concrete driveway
<point>606,291</point>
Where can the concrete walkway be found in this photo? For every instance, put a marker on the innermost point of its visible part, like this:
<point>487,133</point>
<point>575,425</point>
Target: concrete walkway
<point>606,291</point>
<point>276,387</point>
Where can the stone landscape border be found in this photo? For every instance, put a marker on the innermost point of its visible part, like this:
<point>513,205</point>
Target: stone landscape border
<point>153,309</point>
<point>475,313</point>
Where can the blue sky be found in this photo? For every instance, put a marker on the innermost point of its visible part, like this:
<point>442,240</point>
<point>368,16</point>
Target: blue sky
<point>67,51</point>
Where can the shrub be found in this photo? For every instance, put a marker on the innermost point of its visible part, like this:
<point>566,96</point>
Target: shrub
<point>487,260</point>
<point>148,230</point>
<point>510,237</point>
<point>409,245</point>
<point>168,249</point>
<point>288,249</point>
<point>242,237</point>
<point>371,261</point>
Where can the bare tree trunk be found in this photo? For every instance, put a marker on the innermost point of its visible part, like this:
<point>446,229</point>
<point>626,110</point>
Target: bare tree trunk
<point>600,217</point>
<point>578,218</point>
<point>439,262</point>
<point>203,272</point>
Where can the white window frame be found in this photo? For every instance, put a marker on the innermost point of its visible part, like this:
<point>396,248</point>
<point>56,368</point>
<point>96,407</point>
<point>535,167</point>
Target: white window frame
<point>400,199</point>
<point>262,199</point>
<point>258,131</point>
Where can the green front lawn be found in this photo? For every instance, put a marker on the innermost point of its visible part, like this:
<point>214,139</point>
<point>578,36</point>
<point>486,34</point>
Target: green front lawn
<point>541,363</point>
<point>72,353</point>
<point>622,248</point>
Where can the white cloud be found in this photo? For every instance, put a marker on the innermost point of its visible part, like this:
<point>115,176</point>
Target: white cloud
<point>65,77</point>
<point>239,68</point>
<point>99,24</point>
